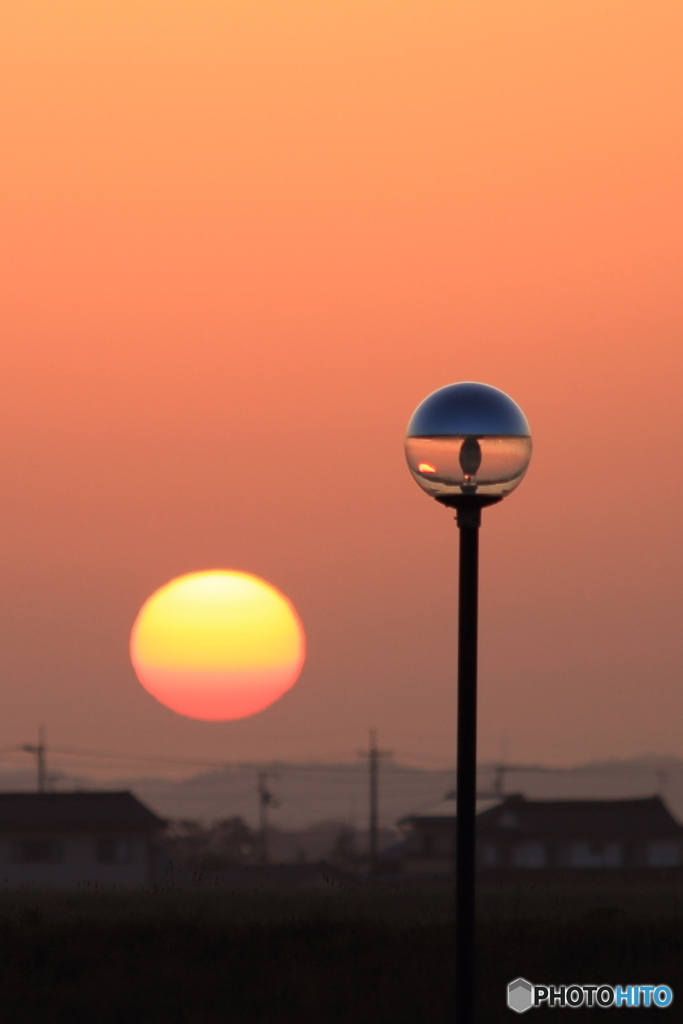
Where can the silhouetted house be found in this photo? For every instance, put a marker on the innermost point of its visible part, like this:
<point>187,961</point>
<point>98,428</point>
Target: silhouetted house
<point>518,833</point>
<point>523,833</point>
<point>428,847</point>
<point>64,839</point>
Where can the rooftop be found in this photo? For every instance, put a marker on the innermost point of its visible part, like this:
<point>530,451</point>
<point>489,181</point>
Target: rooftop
<point>600,819</point>
<point>118,810</point>
<point>446,809</point>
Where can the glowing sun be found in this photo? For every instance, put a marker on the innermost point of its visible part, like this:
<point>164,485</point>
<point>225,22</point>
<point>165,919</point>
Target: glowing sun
<point>217,645</point>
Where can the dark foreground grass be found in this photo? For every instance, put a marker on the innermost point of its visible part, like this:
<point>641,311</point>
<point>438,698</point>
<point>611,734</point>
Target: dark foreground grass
<point>603,931</point>
<point>275,956</point>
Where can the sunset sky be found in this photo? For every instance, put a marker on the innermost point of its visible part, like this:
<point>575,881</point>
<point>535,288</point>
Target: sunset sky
<point>241,241</point>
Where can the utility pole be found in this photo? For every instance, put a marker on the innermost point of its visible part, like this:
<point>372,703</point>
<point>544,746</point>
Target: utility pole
<point>40,752</point>
<point>373,755</point>
<point>499,780</point>
<point>265,800</point>
<point>501,768</point>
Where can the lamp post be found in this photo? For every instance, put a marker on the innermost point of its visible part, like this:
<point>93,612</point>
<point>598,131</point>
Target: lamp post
<point>467,445</point>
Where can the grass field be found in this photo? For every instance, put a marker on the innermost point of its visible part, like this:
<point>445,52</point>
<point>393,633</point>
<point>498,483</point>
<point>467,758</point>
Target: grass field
<point>343,954</point>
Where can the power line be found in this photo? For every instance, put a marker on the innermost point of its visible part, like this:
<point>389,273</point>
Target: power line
<point>346,769</point>
<point>143,757</point>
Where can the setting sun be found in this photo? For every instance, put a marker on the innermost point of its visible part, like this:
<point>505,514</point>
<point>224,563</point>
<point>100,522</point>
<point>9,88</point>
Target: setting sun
<point>217,645</point>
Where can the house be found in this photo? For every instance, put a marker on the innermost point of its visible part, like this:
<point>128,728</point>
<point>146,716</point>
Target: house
<point>520,833</point>
<point>428,848</point>
<point>68,839</point>
<point>514,832</point>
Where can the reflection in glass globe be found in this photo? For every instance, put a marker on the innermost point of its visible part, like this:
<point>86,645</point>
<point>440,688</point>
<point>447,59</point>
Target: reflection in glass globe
<point>444,465</point>
<point>468,439</point>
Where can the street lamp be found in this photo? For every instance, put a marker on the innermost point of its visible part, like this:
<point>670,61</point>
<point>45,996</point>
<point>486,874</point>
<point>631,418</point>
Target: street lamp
<point>468,446</point>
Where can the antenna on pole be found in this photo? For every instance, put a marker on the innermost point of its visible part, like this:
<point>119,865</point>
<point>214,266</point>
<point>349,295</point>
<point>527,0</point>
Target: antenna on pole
<point>499,780</point>
<point>40,752</point>
<point>265,800</point>
<point>373,755</point>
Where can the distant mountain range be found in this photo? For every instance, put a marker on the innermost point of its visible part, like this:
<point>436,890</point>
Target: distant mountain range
<point>316,792</point>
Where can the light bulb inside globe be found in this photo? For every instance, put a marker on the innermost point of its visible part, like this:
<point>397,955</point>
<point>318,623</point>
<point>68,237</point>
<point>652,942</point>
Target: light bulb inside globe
<point>469,458</point>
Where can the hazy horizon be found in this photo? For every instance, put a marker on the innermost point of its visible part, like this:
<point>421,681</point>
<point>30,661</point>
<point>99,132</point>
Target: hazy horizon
<point>311,792</point>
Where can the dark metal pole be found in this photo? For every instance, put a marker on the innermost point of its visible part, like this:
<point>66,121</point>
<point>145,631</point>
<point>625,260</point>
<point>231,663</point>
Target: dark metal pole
<point>468,520</point>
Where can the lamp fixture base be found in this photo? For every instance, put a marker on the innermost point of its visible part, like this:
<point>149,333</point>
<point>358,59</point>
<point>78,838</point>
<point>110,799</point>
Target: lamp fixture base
<point>468,506</point>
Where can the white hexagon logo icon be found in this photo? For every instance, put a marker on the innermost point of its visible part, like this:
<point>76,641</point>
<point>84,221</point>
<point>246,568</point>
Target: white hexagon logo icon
<point>520,995</point>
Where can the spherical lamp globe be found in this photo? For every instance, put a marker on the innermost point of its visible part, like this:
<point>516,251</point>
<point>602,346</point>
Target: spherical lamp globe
<point>468,441</point>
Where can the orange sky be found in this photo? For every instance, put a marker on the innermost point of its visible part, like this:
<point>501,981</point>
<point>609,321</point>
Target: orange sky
<point>241,242</point>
